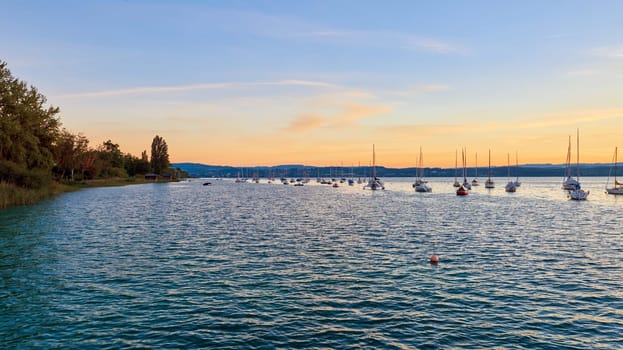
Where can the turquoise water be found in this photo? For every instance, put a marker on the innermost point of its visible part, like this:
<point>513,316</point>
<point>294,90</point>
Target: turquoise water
<point>261,266</point>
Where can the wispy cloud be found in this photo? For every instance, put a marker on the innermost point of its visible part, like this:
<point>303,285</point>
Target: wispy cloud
<point>210,86</point>
<point>609,51</point>
<point>386,39</point>
<point>420,89</point>
<point>350,114</point>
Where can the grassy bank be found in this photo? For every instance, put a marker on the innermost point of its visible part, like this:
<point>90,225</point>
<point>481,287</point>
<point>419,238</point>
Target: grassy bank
<point>11,195</point>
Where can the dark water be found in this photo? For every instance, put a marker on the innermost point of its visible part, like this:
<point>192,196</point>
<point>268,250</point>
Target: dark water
<point>263,266</point>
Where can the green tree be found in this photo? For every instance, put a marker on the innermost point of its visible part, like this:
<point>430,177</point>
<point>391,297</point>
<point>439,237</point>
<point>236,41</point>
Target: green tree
<point>159,155</point>
<point>70,150</point>
<point>28,128</point>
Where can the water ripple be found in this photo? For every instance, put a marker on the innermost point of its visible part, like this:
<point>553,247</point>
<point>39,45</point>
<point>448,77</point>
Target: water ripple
<point>264,266</point>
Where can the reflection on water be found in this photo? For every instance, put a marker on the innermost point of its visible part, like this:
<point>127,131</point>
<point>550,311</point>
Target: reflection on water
<point>259,265</point>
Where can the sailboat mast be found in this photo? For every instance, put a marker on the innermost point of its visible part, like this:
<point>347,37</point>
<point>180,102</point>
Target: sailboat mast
<point>373,163</point>
<point>578,155</point>
<point>489,165</point>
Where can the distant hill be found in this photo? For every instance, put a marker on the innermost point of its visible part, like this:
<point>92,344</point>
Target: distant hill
<point>298,170</point>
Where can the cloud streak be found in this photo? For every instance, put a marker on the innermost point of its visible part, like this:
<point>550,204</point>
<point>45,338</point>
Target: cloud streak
<point>146,90</point>
<point>350,114</point>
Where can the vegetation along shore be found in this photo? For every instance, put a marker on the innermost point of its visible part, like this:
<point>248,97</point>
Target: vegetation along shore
<point>40,159</point>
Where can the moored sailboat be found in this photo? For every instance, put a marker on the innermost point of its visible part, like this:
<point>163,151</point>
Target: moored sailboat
<point>374,183</point>
<point>420,184</point>
<point>489,183</point>
<point>618,186</point>
<point>510,186</point>
<point>578,193</point>
<point>475,180</point>
<point>456,169</point>
<point>569,183</point>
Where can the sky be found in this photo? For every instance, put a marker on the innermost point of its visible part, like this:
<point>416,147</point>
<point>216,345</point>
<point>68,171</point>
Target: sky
<point>248,83</point>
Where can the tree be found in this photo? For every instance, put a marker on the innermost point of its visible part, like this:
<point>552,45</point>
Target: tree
<point>28,129</point>
<point>70,149</point>
<point>159,155</point>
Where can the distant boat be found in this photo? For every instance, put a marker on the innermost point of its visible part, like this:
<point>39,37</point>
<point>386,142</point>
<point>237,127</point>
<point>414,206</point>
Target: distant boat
<point>569,183</point>
<point>374,183</point>
<point>489,183</point>
<point>456,169</point>
<point>420,184</point>
<point>510,186</point>
<point>207,183</point>
<point>475,180</point>
<point>466,183</point>
<point>517,182</point>
<point>618,186</point>
<point>578,193</point>
<point>462,191</point>
<point>335,184</point>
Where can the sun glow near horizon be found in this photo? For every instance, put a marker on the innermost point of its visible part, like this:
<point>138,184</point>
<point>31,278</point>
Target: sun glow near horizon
<point>252,85</point>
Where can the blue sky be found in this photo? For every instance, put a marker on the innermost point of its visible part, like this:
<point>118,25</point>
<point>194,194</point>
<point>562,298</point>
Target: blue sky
<point>326,78</point>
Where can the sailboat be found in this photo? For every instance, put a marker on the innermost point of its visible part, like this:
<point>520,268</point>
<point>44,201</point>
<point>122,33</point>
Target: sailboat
<point>489,183</point>
<point>569,183</point>
<point>517,182</point>
<point>466,183</point>
<point>374,183</point>
<point>420,184</point>
<point>456,169</point>
<point>463,189</point>
<point>618,186</point>
<point>475,180</point>
<point>578,193</point>
<point>510,186</point>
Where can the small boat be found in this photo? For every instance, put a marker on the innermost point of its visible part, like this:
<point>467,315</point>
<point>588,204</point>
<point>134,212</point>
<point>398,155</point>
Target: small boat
<point>374,183</point>
<point>475,180</point>
<point>420,184</point>
<point>466,183</point>
<point>510,186</point>
<point>335,185</point>
<point>298,184</point>
<point>207,183</point>
<point>568,182</point>
<point>618,186</point>
<point>578,193</point>
<point>462,191</point>
<point>456,169</point>
<point>517,182</point>
<point>489,183</point>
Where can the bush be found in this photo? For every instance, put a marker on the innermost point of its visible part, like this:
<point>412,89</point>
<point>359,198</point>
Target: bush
<point>28,178</point>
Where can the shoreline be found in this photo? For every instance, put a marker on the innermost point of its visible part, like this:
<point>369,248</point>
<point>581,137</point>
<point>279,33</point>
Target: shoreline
<point>12,195</point>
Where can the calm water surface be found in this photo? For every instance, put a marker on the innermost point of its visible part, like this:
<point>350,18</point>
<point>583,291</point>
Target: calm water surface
<point>261,266</point>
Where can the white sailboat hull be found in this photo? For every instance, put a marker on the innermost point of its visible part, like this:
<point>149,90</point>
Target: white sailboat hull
<point>578,195</point>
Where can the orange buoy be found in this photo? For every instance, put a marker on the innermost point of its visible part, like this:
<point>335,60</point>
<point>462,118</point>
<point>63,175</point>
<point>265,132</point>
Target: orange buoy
<point>434,259</point>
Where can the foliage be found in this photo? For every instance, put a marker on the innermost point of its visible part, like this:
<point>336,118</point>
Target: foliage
<point>28,131</point>
<point>159,155</point>
<point>34,149</point>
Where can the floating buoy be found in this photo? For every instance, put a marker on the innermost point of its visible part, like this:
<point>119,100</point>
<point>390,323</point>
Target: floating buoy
<point>434,259</point>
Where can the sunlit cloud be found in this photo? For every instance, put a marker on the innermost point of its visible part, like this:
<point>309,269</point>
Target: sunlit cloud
<point>350,114</point>
<point>211,86</point>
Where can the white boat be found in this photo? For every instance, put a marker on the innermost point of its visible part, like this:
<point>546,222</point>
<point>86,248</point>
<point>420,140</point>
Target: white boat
<point>568,182</point>
<point>489,183</point>
<point>374,183</point>
<point>420,184</point>
<point>510,186</point>
<point>578,193</point>
<point>618,186</point>
<point>475,180</point>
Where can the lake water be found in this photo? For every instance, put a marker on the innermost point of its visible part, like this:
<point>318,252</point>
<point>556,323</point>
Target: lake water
<point>183,265</point>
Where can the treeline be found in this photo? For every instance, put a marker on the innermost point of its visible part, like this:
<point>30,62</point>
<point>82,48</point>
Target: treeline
<point>36,151</point>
